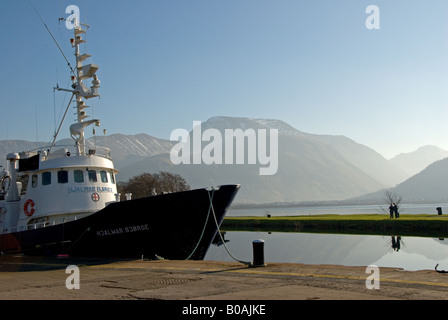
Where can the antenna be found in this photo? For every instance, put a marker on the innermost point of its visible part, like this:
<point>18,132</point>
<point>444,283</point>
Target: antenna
<point>80,91</point>
<point>80,23</point>
<point>55,41</point>
<point>37,126</point>
<point>60,125</point>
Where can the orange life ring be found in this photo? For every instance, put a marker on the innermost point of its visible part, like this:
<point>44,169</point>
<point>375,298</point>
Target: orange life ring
<point>29,212</point>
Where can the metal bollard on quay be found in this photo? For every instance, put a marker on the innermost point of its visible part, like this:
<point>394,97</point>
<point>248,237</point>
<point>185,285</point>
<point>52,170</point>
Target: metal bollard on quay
<point>258,249</point>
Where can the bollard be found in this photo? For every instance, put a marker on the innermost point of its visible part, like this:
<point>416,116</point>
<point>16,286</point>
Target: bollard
<point>258,248</point>
<point>439,211</point>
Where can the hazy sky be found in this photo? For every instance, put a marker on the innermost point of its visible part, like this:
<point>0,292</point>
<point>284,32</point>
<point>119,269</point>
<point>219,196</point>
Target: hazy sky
<point>166,63</point>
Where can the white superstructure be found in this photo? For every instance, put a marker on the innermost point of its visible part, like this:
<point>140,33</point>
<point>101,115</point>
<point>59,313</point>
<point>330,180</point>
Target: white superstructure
<point>62,182</point>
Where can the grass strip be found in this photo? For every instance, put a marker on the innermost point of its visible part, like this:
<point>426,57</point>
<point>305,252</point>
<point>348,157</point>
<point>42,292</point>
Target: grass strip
<point>375,224</point>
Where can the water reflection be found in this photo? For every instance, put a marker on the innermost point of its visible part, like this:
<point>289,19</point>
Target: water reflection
<point>220,239</point>
<point>409,253</point>
<point>396,243</point>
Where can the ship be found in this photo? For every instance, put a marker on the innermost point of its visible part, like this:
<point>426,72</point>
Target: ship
<point>62,200</point>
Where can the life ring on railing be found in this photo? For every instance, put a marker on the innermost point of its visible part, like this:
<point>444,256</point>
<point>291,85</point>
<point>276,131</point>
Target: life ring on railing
<point>28,208</point>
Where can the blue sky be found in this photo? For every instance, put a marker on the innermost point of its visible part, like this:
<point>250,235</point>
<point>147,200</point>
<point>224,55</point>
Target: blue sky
<point>167,63</point>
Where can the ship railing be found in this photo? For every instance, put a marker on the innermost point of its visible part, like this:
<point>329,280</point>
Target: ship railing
<point>44,224</point>
<point>61,151</point>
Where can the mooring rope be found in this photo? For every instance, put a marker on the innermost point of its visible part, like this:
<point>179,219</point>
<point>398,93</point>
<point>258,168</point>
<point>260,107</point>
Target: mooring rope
<point>205,225</point>
<point>211,209</point>
<point>220,235</point>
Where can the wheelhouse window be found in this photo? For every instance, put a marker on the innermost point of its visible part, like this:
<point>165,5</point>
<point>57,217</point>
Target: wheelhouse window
<point>103,175</point>
<point>78,176</point>
<point>46,178</point>
<point>112,177</point>
<point>92,176</point>
<point>62,176</point>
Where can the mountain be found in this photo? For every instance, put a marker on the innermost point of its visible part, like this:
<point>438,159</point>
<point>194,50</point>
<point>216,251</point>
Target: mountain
<point>431,184</point>
<point>364,158</point>
<point>416,161</point>
<point>126,149</point>
<point>310,167</point>
<point>8,146</point>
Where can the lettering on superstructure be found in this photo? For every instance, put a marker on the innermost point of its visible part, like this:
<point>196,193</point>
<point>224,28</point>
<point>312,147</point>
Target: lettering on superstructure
<point>88,189</point>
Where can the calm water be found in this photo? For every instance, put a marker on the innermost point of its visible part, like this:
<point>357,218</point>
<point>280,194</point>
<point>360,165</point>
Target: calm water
<point>409,253</point>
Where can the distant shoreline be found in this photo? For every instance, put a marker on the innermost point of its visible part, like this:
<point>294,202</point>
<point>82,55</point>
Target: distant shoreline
<point>328,203</point>
<point>423,225</point>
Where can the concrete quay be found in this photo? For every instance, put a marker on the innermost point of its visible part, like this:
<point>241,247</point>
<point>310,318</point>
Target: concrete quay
<point>25,278</point>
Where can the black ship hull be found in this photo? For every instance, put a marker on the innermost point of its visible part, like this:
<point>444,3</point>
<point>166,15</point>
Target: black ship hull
<point>174,226</point>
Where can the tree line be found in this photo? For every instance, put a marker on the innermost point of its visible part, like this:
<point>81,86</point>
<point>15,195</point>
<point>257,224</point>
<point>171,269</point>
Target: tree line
<point>147,184</point>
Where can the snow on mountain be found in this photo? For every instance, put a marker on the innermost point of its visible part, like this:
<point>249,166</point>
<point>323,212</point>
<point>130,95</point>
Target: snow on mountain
<point>310,167</point>
<point>126,149</point>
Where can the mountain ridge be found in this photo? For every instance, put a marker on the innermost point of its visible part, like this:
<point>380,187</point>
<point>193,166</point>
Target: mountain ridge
<point>125,148</point>
<point>311,167</point>
<point>415,161</point>
<point>427,186</point>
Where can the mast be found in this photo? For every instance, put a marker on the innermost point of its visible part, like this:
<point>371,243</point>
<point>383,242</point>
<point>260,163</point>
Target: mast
<point>80,90</point>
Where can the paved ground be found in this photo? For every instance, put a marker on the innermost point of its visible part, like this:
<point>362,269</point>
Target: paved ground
<point>45,279</point>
